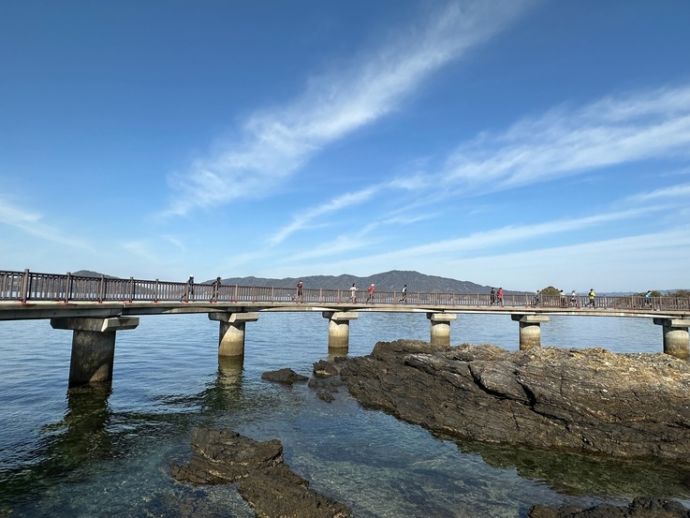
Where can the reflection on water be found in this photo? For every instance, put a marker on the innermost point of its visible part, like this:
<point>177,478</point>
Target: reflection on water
<point>97,451</point>
<point>577,474</point>
<point>79,437</point>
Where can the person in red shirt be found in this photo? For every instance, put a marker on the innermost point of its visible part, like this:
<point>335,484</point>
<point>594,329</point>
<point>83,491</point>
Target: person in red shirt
<point>371,290</point>
<point>499,296</point>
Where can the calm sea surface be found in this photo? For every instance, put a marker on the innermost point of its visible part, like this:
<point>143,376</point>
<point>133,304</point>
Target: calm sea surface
<point>90,453</point>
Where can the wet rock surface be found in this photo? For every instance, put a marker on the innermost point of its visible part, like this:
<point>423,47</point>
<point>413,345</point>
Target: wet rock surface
<point>639,508</point>
<point>284,376</point>
<point>590,401</point>
<point>257,469</point>
<point>326,381</point>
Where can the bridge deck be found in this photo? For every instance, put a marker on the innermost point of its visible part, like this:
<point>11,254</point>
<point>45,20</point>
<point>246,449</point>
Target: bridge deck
<point>12,310</point>
<point>32,295</point>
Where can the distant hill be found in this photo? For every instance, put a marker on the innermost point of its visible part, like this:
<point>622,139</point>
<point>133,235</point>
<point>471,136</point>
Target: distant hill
<point>386,281</point>
<point>89,273</point>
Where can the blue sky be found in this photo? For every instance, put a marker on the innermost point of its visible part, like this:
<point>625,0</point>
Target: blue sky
<point>515,143</point>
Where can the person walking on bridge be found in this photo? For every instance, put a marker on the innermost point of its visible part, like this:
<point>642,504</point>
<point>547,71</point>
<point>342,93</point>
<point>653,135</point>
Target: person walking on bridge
<point>216,290</point>
<point>353,293</point>
<point>371,290</point>
<point>499,296</point>
<point>573,299</point>
<point>189,290</point>
<point>592,295</point>
<point>492,296</point>
<point>300,291</point>
<point>403,299</point>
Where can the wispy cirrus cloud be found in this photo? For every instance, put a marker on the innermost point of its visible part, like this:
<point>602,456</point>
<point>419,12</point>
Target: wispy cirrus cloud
<point>567,141</point>
<point>302,219</point>
<point>618,264</point>
<point>274,143</point>
<point>502,236</point>
<point>674,191</point>
<point>33,223</point>
<point>359,239</point>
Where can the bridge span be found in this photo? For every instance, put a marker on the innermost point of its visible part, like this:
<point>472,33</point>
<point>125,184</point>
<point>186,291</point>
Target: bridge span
<point>95,308</point>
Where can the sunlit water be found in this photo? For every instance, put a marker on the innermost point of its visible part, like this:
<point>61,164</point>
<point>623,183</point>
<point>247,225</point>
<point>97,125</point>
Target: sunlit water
<point>96,454</point>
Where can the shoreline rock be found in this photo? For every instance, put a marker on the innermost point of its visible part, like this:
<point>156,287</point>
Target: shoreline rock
<point>639,508</point>
<point>284,376</point>
<point>258,470</point>
<point>590,401</point>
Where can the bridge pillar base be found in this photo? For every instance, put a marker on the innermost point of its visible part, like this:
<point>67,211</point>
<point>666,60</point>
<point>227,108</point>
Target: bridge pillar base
<point>676,337</point>
<point>93,347</point>
<point>339,330</point>
<point>231,332</point>
<point>530,329</point>
<point>440,328</point>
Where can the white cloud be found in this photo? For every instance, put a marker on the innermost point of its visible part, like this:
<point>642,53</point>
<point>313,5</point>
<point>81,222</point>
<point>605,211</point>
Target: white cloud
<point>32,223</point>
<point>275,143</point>
<point>303,219</point>
<point>648,261</point>
<point>608,132</point>
<point>448,249</point>
<point>357,240</point>
<point>674,191</point>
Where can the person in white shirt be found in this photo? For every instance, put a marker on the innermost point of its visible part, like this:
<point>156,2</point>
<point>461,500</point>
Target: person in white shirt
<point>353,293</point>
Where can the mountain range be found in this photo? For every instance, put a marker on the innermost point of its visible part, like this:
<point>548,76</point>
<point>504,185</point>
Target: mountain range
<point>386,281</point>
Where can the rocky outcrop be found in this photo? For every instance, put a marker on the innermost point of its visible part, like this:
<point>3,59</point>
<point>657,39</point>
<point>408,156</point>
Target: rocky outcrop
<point>257,468</point>
<point>593,401</point>
<point>284,376</point>
<point>326,380</point>
<point>639,508</point>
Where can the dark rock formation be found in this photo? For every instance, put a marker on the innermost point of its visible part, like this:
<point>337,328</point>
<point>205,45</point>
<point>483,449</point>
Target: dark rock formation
<point>593,401</point>
<point>257,468</point>
<point>326,380</point>
<point>285,376</point>
<point>639,508</point>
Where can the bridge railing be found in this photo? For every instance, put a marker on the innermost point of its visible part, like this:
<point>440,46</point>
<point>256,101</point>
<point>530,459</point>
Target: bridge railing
<point>35,286</point>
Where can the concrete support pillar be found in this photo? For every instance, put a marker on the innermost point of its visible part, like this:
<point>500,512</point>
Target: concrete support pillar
<point>339,329</point>
<point>231,333</point>
<point>530,330</point>
<point>440,328</point>
<point>93,347</point>
<point>676,337</point>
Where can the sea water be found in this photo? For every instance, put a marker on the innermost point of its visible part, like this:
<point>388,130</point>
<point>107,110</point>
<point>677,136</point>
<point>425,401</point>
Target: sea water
<point>107,453</point>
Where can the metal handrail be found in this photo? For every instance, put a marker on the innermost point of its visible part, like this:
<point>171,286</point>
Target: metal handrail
<point>35,286</point>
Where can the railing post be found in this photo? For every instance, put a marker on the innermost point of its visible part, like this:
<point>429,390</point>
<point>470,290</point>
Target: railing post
<point>68,286</point>
<point>235,300</point>
<point>273,298</point>
<point>338,295</point>
<point>157,295</point>
<point>131,289</point>
<point>321,295</point>
<point>101,289</point>
<point>25,289</point>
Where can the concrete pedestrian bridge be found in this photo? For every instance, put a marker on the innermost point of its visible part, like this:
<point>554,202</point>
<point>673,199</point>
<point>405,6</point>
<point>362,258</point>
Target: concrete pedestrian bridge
<point>95,308</point>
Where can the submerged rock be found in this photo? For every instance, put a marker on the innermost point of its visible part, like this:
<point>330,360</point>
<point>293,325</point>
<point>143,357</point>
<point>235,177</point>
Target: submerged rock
<point>326,380</point>
<point>640,507</point>
<point>285,376</point>
<point>593,401</point>
<point>257,468</point>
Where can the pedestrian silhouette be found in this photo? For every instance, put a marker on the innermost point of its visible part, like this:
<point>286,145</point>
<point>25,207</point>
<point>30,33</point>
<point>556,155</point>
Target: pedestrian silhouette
<point>353,293</point>
<point>300,291</point>
<point>216,289</point>
<point>371,290</point>
<point>189,290</point>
